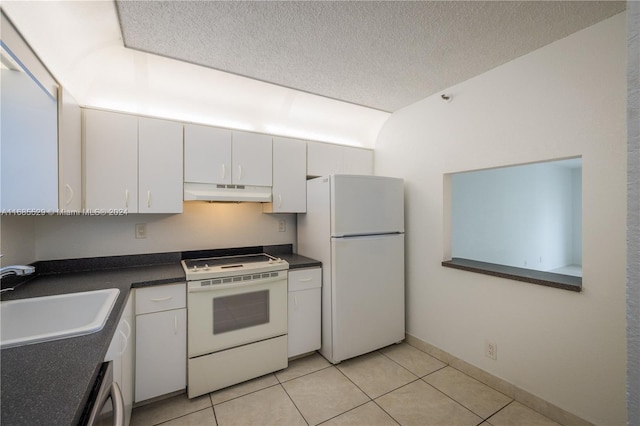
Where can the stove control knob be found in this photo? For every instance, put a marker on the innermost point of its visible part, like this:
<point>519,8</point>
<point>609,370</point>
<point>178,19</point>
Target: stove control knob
<point>206,267</point>
<point>195,268</point>
<point>270,261</point>
<point>279,260</point>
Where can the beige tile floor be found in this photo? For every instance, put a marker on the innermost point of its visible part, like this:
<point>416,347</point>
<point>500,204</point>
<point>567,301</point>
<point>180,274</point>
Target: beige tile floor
<point>395,385</point>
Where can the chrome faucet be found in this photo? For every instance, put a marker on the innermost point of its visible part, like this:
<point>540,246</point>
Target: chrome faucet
<point>16,270</point>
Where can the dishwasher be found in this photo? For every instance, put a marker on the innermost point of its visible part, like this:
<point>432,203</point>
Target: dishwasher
<point>105,405</point>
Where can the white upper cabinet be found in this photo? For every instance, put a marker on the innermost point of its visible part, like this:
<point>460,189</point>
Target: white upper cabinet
<point>357,161</point>
<point>324,159</point>
<point>289,177</point>
<point>251,156</point>
<point>159,166</point>
<point>69,152</point>
<point>111,160</point>
<point>221,156</point>
<point>132,163</point>
<point>207,154</point>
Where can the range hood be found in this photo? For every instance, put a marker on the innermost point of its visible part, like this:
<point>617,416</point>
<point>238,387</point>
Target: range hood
<point>229,193</point>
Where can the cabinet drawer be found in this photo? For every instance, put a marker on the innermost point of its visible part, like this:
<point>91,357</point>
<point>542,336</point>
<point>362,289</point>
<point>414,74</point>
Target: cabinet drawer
<point>304,279</point>
<point>160,298</point>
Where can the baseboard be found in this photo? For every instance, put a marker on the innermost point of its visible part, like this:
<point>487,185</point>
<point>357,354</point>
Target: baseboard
<point>538,404</point>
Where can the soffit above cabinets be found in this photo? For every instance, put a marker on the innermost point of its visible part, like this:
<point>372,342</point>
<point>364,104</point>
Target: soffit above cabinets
<point>380,54</point>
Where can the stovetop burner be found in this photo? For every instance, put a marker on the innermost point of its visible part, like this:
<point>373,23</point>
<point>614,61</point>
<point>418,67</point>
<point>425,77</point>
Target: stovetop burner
<point>231,265</point>
<point>227,260</point>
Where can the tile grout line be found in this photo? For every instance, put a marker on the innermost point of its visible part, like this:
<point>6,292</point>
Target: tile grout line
<point>472,378</point>
<point>487,384</point>
<point>245,394</point>
<point>487,419</point>
<point>457,402</point>
<point>294,404</point>
<point>185,415</point>
<point>482,383</point>
<point>446,364</point>
<point>305,374</point>
<point>374,400</point>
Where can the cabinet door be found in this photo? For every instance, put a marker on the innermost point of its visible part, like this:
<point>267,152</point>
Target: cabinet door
<point>289,177</point>
<point>357,161</point>
<point>159,166</point>
<point>324,159</point>
<point>304,333</point>
<point>161,353</point>
<point>69,153</point>
<point>207,154</point>
<point>251,156</point>
<point>111,160</point>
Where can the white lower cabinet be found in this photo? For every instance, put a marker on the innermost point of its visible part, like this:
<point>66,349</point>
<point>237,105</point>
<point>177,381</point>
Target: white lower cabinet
<point>304,311</point>
<point>122,356</point>
<point>161,340</point>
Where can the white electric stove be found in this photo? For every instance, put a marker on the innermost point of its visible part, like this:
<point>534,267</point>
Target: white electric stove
<point>237,319</point>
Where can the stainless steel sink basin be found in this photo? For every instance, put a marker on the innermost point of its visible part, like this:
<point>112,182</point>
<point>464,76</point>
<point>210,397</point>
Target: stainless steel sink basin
<point>41,319</point>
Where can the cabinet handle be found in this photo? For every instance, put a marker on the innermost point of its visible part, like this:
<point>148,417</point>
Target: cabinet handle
<point>162,299</point>
<point>239,171</point>
<point>224,170</point>
<point>295,300</point>
<point>304,280</point>
<point>126,342</point>
<point>149,199</point>
<point>126,198</point>
<point>70,190</point>
<point>128,333</point>
<point>175,324</point>
<point>279,200</point>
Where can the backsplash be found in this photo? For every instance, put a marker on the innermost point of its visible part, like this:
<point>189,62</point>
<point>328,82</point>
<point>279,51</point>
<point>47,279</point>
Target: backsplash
<point>18,240</point>
<point>201,226</point>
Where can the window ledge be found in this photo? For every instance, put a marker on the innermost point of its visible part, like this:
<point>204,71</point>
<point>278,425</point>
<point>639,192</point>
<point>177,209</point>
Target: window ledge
<point>549,279</point>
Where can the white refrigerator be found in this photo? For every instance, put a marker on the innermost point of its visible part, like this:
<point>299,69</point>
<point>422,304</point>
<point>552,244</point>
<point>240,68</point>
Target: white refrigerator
<point>355,226</point>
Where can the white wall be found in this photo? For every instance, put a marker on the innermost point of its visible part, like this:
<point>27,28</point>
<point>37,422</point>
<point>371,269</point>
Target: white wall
<point>201,226</point>
<point>18,240</point>
<point>517,216</point>
<point>564,100</point>
<point>633,214</point>
<point>577,217</point>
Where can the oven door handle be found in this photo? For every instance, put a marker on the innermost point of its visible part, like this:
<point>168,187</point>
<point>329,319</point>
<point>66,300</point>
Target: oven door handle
<point>119,414</point>
<point>215,287</point>
<point>109,389</point>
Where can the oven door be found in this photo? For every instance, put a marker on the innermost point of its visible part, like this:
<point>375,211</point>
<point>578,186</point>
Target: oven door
<point>229,314</point>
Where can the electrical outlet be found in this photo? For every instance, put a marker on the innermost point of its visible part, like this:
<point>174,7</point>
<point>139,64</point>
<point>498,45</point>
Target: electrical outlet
<point>491,349</point>
<point>141,230</point>
<point>282,226</point>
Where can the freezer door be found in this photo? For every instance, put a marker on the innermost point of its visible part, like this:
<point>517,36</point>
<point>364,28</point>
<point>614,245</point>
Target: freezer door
<point>368,294</point>
<point>363,205</point>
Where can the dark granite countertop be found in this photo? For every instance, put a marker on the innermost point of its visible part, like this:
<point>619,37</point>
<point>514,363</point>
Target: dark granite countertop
<point>49,383</point>
<point>297,261</point>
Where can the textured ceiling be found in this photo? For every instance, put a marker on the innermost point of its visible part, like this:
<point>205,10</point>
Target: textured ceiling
<point>381,54</point>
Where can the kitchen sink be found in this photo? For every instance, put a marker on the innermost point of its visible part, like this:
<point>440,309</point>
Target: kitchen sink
<point>41,319</point>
